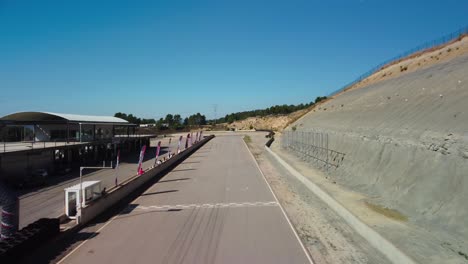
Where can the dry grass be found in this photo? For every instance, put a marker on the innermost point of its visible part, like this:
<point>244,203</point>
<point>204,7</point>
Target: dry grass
<point>427,50</point>
<point>417,60</point>
<point>390,213</point>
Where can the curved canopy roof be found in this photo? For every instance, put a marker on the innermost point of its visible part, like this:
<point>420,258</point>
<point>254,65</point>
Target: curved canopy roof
<point>44,117</point>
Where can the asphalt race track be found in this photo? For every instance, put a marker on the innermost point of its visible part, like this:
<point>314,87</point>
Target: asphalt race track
<point>215,207</point>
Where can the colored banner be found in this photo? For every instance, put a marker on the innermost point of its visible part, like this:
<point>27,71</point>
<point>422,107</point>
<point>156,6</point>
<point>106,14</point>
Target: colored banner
<point>180,142</point>
<point>169,148</point>
<point>140,161</point>
<point>158,148</point>
<point>187,140</point>
<point>117,167</point>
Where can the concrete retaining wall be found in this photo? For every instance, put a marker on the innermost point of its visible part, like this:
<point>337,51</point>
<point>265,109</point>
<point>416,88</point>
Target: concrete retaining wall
<point>131,185</point>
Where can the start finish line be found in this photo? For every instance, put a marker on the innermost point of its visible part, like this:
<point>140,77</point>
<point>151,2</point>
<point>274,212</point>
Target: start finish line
<point>207,205</point>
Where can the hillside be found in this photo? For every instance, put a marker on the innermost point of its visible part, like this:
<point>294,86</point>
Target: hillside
<point>418,61</point>
<point>414,62</point>
<point>405,141</point>
<point>273,122</point>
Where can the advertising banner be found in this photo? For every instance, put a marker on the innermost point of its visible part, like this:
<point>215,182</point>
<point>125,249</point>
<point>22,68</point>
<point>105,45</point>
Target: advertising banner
<point>140,161</point>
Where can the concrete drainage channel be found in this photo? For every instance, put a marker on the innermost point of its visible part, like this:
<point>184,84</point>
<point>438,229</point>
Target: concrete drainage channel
<point>375,239</point>
<point>46,232</point>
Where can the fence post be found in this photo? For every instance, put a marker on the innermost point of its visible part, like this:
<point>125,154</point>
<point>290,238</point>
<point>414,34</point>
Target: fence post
<point>303,144</point>
<point>327,151</point>
<point>321,145</point>
<point>293,140</point>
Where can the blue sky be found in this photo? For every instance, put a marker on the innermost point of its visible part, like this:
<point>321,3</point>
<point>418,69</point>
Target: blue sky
<point>151,58</point>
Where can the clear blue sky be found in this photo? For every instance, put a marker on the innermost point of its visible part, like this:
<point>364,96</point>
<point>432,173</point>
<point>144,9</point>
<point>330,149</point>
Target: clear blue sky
<point>151,58</point>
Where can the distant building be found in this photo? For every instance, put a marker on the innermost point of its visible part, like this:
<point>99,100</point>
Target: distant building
<point>55,142</point>
<point>45,126</point>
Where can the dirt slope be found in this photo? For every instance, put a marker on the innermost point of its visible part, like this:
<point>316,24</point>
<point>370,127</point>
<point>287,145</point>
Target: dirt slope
<point>406,146</point>
<point>277,123</point>
<point>418,61</point>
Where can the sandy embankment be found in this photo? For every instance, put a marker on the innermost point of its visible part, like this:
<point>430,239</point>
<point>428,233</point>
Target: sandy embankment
<point>276,123</point>
<point>419,60</point>
<point>406,145</point>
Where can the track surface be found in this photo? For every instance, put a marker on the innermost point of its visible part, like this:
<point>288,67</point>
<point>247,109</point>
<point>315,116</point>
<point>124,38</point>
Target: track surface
<point>215,207</point>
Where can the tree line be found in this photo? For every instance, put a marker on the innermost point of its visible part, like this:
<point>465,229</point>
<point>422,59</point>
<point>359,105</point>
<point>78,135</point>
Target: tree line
<point>133,119</point>
<point>169,122</point>
<point>175,121</point>
<point>274,110</point>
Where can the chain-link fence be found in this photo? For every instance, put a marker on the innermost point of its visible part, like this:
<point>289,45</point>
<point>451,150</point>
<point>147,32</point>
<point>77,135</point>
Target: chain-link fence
<point>428,45</point>
<point>312,147</point>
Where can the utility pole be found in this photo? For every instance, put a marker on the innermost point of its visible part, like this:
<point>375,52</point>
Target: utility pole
<point>215,110</point>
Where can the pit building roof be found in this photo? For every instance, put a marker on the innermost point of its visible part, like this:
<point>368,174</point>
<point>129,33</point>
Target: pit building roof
<point>48,117</point>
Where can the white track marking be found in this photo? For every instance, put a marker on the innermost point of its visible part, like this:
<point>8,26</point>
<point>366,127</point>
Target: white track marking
<point>82,243</point>
<point>214,205</point>
<point>280,206</point>
<point>102,227</point>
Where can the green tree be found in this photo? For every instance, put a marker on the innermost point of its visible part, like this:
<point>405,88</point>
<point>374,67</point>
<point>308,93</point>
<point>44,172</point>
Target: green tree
<point>169,120</point>
<point>177,120</point>
<point>320,98</point>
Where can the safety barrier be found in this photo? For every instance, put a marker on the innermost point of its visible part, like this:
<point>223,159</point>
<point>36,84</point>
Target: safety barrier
<point>129,186</point>
<point>28,239</point>
<point>9,212</point>
<point>35,235</point>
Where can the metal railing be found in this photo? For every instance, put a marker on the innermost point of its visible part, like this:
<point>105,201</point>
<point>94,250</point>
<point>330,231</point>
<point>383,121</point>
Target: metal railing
<point>428,45</point>
<point>29,145</point>
<point>135,135</point>
<point>312,147</point>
